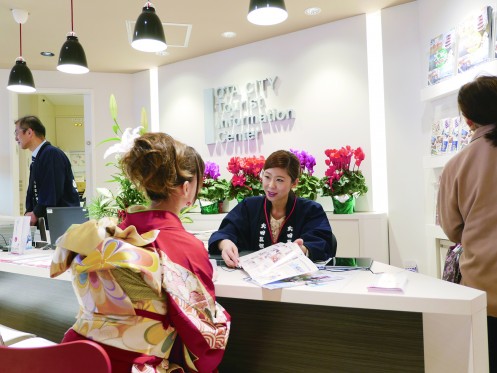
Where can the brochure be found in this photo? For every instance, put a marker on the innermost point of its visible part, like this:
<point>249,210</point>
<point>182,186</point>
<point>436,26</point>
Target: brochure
<point>318,278</point>
<point>475,39</point>
<point>277,262</point>
<point>442,57</point>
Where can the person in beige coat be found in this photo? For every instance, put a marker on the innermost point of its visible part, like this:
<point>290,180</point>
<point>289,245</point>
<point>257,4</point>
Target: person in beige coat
<point>467,200</point>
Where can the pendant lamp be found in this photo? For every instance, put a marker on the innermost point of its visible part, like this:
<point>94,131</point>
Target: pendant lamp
<point>72,57</point>
<point>20,78</point>
<point>148,35</point>
<point>267,12</point>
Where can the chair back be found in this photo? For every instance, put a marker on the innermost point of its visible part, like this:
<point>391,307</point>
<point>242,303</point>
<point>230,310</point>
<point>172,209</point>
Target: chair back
<point>74,357</point>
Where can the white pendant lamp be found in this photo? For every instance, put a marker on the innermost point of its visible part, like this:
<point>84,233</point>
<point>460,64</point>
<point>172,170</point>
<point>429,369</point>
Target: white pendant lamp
<point>148,35</point>
<point>20,78</point>
<point>267,12</point>
<point>72,57</point>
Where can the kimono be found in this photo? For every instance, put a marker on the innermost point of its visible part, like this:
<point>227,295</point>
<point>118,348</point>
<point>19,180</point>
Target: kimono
<point>248,226</point>
<point>51,182</point>
<point>145,292</point>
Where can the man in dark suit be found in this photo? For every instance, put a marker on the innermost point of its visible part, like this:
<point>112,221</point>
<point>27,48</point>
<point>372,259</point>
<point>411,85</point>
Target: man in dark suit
<point>51,181</point>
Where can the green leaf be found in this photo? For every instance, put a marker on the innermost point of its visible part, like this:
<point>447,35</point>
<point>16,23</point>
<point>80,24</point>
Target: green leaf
<point>109,140</point>
<point>113,107</point>
<point>144,121</point>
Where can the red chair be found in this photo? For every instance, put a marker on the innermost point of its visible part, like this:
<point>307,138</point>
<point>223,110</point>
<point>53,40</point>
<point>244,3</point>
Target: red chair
<point>74,357</point>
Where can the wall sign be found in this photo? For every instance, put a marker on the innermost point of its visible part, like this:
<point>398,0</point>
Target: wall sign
<point>237,113</point>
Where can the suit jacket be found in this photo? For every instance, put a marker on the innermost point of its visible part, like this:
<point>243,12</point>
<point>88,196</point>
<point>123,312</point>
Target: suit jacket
<point>51,182</point>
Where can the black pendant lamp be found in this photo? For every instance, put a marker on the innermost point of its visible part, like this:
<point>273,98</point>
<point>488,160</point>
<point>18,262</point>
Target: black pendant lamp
<point>267,12</point>
<point>72,57</point>
<point>20,78</point>
<point>148,35</point>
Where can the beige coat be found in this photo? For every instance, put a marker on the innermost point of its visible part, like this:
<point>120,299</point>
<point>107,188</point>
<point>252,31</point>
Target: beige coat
<point>467,208</point>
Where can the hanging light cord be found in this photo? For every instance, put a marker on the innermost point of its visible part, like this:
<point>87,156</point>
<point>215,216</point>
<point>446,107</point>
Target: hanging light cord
<point>20,39</point>
<point>72,20</point>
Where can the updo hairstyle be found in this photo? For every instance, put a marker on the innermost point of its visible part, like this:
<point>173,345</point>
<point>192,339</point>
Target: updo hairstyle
<point>285,160</point>
<point>158,163</point>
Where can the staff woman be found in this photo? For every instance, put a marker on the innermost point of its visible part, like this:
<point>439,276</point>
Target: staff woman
<point>279,216</point>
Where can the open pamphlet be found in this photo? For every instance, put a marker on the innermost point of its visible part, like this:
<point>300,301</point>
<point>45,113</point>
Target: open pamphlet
<point>277,262</point>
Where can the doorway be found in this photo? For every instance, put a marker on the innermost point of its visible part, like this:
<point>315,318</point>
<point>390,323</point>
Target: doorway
<point>63,115</point>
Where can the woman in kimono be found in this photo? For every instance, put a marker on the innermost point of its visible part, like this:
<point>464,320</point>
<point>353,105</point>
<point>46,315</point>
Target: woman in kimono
<point>145,286</point>
<point>279,216</point>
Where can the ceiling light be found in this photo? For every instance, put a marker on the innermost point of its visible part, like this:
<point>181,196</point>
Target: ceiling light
<point>72,57</point>
<point>267,12</point>
<point>312,11</point>
<point>47,54</point>
<point>228,34</point>
<point>149,33</point>
<point>20,78</point>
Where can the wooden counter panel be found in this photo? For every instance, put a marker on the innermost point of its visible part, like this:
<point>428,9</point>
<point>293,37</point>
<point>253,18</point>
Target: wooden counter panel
<point>41,306</point>
<point>285,337</point>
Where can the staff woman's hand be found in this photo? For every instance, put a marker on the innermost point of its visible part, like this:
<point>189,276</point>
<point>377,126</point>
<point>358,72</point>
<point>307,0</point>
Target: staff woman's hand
<point>229,252</point>
<point>300,242</point>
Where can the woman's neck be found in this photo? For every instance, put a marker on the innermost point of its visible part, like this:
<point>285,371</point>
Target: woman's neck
<point>278,210</point>
<point>166,205</point>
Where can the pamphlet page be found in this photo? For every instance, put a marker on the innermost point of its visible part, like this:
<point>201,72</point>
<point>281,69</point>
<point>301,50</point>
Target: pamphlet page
<point>276,262</point>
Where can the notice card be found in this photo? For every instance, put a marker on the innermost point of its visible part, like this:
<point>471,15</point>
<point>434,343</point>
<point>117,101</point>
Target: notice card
<point>21,237</point>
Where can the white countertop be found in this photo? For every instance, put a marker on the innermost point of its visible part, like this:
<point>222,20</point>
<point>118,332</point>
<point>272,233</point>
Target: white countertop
<point>421,294</point>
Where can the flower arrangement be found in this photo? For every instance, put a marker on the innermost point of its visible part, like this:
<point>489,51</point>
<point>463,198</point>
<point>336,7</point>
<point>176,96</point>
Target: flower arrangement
<point>343,178</point>
<point>115,204</point>
<point>309,184</point>
<point>246,179</point>
<point>108,203</point>
<point>214,188</point>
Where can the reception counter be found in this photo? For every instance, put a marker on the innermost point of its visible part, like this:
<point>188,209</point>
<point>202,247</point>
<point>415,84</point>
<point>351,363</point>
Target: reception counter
<point>434,326</point>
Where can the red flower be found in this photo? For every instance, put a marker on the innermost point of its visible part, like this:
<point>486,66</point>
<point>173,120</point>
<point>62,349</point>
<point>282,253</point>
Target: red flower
<point>342,175</point>
<point>238,180</point>
<point>246,179</point>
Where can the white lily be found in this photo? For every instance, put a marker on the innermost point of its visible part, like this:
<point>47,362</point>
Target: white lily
<point>127,141</point>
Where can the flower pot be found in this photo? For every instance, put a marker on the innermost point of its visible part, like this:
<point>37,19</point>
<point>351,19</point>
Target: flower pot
<point>210,207</point>
<point>346,207</point>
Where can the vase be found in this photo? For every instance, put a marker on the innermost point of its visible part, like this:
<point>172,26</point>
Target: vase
<point>346,207</point>
<point>210,207</point>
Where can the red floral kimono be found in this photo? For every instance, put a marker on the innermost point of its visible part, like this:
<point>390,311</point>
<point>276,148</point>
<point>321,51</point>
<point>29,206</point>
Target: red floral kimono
<point>145,292</point>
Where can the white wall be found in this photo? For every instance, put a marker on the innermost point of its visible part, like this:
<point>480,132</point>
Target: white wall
<point>99,87</point>
<point>324,78</point>
<point>404,136</point>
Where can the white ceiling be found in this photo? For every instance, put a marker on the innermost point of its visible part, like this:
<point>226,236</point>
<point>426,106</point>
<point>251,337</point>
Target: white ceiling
<point>192,27</point>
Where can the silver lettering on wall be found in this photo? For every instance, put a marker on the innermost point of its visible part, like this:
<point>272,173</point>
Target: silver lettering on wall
<point>234,114</point>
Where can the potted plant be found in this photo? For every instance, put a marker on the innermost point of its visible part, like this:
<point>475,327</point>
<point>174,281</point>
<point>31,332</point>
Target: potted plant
<point>214,190</point>
<point>343,180</point>
<point>246,179</point>
<point>107,203</point>
<point>309,185</point>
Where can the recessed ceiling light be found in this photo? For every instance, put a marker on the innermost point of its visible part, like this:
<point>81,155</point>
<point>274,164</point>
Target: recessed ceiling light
<point>228,34</point>
<point>47,54</point>
<point>312,11</point>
